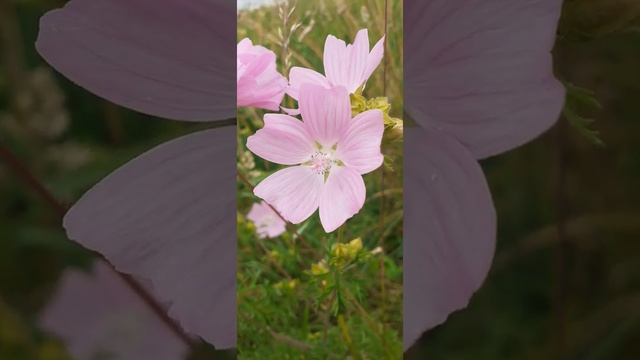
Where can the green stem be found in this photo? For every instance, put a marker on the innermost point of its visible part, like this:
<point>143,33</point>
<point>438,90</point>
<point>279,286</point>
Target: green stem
<point>344,330</point>
<point>340,234</point>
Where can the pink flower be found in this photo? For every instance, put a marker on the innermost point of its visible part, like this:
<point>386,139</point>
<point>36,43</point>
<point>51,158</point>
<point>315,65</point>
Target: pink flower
<point>267,221</point>
<point>259,83</point>
<point>348,66</point>
<point>330,152</point>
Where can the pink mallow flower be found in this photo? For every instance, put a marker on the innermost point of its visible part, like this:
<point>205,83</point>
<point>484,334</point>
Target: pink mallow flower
<point>267,221</point>
<point>345,65</point>
<point>259,83</point>
<point>329,152</point>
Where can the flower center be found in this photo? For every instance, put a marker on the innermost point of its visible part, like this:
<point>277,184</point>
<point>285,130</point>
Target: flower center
<point>321,162</point>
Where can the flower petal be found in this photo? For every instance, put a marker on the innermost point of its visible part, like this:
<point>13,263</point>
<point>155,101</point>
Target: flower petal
<point>258,212</point>
<point>299,76</point>
<point>374,58</point>
<point>283,140</point>
<point>170,60</point>
<point>276,229</point>
<point>169,217</point>
<point>345,65</point>
<point>334,59</point>
<point>266,220</point>
<point>97,313</point>
<point>357,57</point>
<point>449,228</point>
<point>359,148</point>
<point>294,192</point>
<point>482,70</point>
<point>343,196</point>
<point>326,112</point>
<point>291,112</point>
<point>259,82</point>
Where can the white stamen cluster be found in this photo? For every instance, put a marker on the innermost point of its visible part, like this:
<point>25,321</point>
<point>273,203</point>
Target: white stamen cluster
<point>321,162</point>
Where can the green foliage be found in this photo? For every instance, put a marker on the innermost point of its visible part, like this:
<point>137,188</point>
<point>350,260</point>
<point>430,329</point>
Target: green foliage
<point>292,296</point>
<point>585,20</point>
<point>578,101</point>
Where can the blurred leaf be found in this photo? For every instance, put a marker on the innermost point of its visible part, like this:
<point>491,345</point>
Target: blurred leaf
<point>581,100</point>
<point>590,19</point>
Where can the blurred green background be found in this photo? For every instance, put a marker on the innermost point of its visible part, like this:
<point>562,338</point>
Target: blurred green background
<point>566,278</point>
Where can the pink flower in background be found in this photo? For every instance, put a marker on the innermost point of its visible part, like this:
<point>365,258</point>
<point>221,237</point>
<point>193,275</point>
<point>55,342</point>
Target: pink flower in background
<point>267,221</point>
<point>259,83</point>
<point>330,153</point>
<point>345,65</point>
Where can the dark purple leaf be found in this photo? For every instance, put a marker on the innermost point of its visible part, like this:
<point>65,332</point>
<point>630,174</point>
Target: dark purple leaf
<point>169,216</point>
<point>449,229</point>
<point>168,58</point>
<point>481,70</point>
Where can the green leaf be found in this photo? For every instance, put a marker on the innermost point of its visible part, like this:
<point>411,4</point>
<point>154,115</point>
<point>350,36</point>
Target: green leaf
<point>578,101</point>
